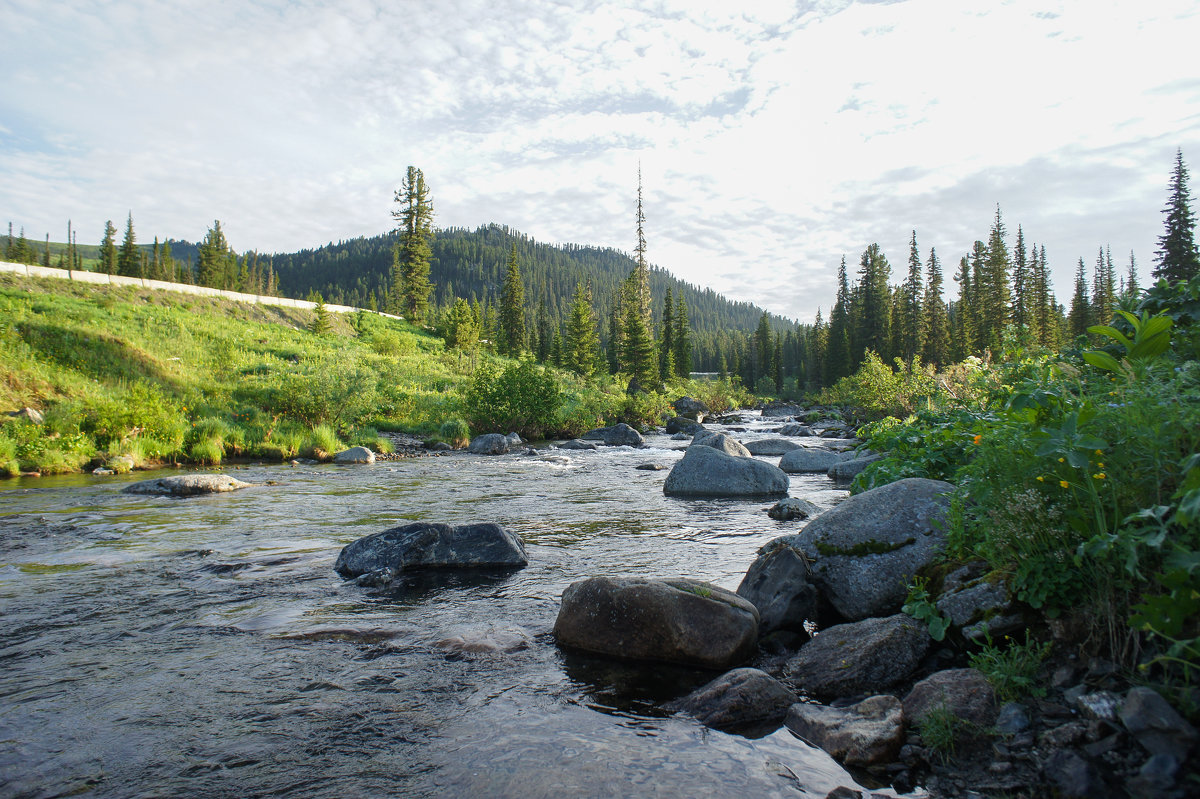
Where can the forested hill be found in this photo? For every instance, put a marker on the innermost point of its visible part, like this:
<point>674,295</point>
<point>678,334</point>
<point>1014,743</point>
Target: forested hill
<point>470,264</point>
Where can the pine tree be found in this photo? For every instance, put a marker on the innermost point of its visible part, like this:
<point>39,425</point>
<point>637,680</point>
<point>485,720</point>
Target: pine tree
<point>462,328</point>
<point>681,339</point>
<point>1043,300</point>
<point>962,339</point>
<point>545,332</point>
<point>763,346</point>
<point>1132,286</point>
<point>935,330</point>
<point>994,294</point>
<point>411,256</point>
<point>838,359</point>
<point>1021,284</point>
<point>215,259</point>
<point>639,294</point>
<point>127,257</point>
<point>641,358</point>
<point>510,335</point>
<point>108,249</point>
<point>581,351</point>
<point>666,339</point>
<point>1177,257</point>
<point>911,331</point>
<point>873,322</point>
<point>321,323</point>
<point>1080,317</point>
<point>1104,295</point>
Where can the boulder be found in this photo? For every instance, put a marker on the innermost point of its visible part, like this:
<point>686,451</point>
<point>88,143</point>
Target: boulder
<point>489,444</point>
<point>1073,776</point>
<point>671,620</point>
<point>576,443</point>
<point>428,545</point>
<point>355,455</point>
<point>808,459</point>
<point>1156,725</point>
<point>681,424</point>
<point>650,467</point>
<point>860,657</point>
<point>488,640</point>
<point>972,603</point>
<point>619,435</point>
<point>966,693</point>
<point>795,429</point>
<point>740,700</point>
<point>187,485</point>
<point>690,408</point>
<point>777,585</point>
<point>30,414</point>
<point>513,440</point>
<point>781,410</point>
<point>848,470</point>
<point>788,509</point>
<point>707,472</point>
<point>863,734</point>
<point>771,446</point>
<point>866,550</point>
<point>720,441</point>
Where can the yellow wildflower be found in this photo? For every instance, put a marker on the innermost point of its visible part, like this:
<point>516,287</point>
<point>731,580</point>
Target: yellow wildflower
<point>1041,479</point>
<point>1064,484</point>
<point>1062,460</point>
<point>1099,475</point>
<point>978,438</point>
<point>1098,453</point>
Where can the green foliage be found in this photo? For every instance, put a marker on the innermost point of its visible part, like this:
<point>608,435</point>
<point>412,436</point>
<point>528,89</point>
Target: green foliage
<point>921,607</point>
<point>1151,338</point>
<point>9,465</point>
<point>322,443</point>
<point>1012,668</point>
<point>524,398</point>
<point>939,730</point>
<point>883,391</point>
<point>928,444</point>
<point>455,432</point>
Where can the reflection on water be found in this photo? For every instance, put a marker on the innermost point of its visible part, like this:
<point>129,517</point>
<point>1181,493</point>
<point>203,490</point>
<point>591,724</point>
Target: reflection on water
<point>153,646</point>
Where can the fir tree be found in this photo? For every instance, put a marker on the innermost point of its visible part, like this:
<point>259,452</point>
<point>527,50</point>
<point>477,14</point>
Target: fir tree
<point>1104,294</point>
<point>411,256</point>
<point>1080,317</point>
<point>581,351</point>
<point>935,332</point>
<point>763,346</point>
<point>1043,299</point>
<point>666,338</point>
<point>462,328</point>
<point>641,358</point>
<point>127,258</point>
<point>321,323</point>
<point>910,338</point>
<point>1021,283</point>
<point>874,307</point>
<point>545,332</point>
<point>838,360</point>
<point>681,339</point>
<point>108,249</point>
<point>1177,257</point>
<point>962,327</point>
<point>215,259</point>
<point>1132,286</point>
<point>994,294</point>
<point>639,293</point>
<point>510,333</point>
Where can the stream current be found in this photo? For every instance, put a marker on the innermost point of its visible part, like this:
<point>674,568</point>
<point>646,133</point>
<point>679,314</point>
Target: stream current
<point>205,647</point>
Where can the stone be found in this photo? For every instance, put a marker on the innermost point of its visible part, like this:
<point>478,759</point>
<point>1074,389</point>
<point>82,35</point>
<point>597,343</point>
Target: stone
<point>1156,725</point>
<point>791,508</point>
<point>795,429</point>
<point>740,700</point>
<point>681,424</point>
<point>122,464</point>
<point>720,441</point>
<point>707,472</point>
<point>670,620</point>
<point>966,693</point>
<point>771,446</point>
<point>848,470</point>
<point>102,471</point>
<point>690,408</point>
<point>187,485</point>
<point>489,444</point>
<point>1155,778</point>
<point>29,414</point>
<point>513,440</point>
<point>970,604</point>
<point>576,443</point>
<point>860,657</point>
<point>619,435</point>
<point>994,627</point>
<point>1073,776</point>
<point>842,792</point>
<point>808,459</point>
<point>355,455</point>
<point>650,467</point>
<point>487,641</point>
<point>439,446</point>
<point>866,550</point>
<point>781,410</point>
<point>777,585</point>
<point>863,734</point>
<point>1099,706</point>
<point>430,545</point>
<point>1012,718</point>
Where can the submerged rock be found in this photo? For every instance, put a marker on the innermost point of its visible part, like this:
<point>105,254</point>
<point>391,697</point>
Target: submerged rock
<point>672,620</point>
<point>427,545</point>
<point>848,470</point>
<point>860,657</point>
<point>788,509</point>
<point>742,700</point>
<point>707,472</point>
<point>681,424</point>
<point>690,408</point>
<point>577,443</point>
<point>187,485</point>
<point>619,435</point>
<point>863,734</point>
<point>487,641</point>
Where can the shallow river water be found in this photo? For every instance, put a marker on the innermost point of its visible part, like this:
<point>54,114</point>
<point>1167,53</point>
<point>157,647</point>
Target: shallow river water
<point>205,647</point>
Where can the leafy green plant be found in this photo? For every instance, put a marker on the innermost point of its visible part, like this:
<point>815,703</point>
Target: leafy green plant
<point>939,729</point>
<point>455,432</point>
<point>1012,670</point>
<point>524,398</point>
<point>323,443</point>
<point>1151,337</point>
<point>921,607</point>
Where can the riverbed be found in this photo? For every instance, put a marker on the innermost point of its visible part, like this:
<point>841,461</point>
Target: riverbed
<point>154,646</point>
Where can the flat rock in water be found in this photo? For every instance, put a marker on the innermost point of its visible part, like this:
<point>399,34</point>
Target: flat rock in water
<point>848,470</point>
<point>487,641</point>
<point>650,467</point>
<point>803,460</point>
<point>739,700</point>
<point>355,455</point>
<point>671,620</point>
<point>780,411</point>
<point>707,472</point>
<point>791,508</point>
<point>619,435</point>
<point>771,446</point>
<point>427,545</point>
<point>577,443</point>
<point>795,429</point>
<point>863,734</point>
<point>187,485</point>
<point>861,657</point>
<point>681,424</point>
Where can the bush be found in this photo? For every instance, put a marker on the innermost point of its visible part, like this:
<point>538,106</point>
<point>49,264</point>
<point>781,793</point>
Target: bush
<point>455,432</point>
<point>524,398</point>
<point>206,451</point>
<point>879,389</point>
<point>323,443</point>
<point>9,466</point>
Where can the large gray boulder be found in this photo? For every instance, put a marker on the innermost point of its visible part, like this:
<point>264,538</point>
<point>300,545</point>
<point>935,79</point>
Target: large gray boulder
<point>429,545</point>
<point>355,455</point>
<point>771,446</point>
<point>849,469</point>
<point>720,441</point>
<point>707,472</point>
<point>863,734</point>
<point>742,700</point>
<point>690,408</point>
<point>619,435</point>
<point>795,429</point>
<point>965,693</point>
<point>489,444</point>
<point>1156,725</point>
<point>781,411</point>
<point>576,443</point>
<point>866,550</point>
<point>808,459</point>
<point>777,584</point>
<point>681,424</point>
<point>187,485</point>
<point>861,657</point>
<point>671,620</point>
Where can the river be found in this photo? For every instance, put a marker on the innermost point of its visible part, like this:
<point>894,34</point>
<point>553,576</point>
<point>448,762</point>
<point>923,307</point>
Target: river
<point>205,647</point>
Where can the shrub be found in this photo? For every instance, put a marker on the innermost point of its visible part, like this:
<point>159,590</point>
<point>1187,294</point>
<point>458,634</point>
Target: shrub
<point>455,432</point>
<point>323,443</point>
<point>206,451</point>
<point>524,398</point>
<point>9,466</point>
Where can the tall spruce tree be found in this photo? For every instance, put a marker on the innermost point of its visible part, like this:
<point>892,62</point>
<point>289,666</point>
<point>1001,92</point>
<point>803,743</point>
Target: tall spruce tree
<point>935,330</point>
<point>108,248</point>
<point>639,289</point>
<point>412,253</point>
<point>1080,317</point>
<point>994,293</point>
<point>545,332</point>
<point>1177,257</point>
<point>215,259</point>
<point>873,306</point>
<point>1104,292</point>
<point>1043,299</point>
<point>128,260</point>
<point>1132,286</point>
<point>838,358</point>
<point>581,351</point>
<point>963,318</point>
<point>666,338</point>
<point>681,339</point>
<point>510,335</point>
<point>911,338</point>
<point>641,358</point>
<point>1021,281</point>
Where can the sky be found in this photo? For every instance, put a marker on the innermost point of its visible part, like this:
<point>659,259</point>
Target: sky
<point>772,140</point>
